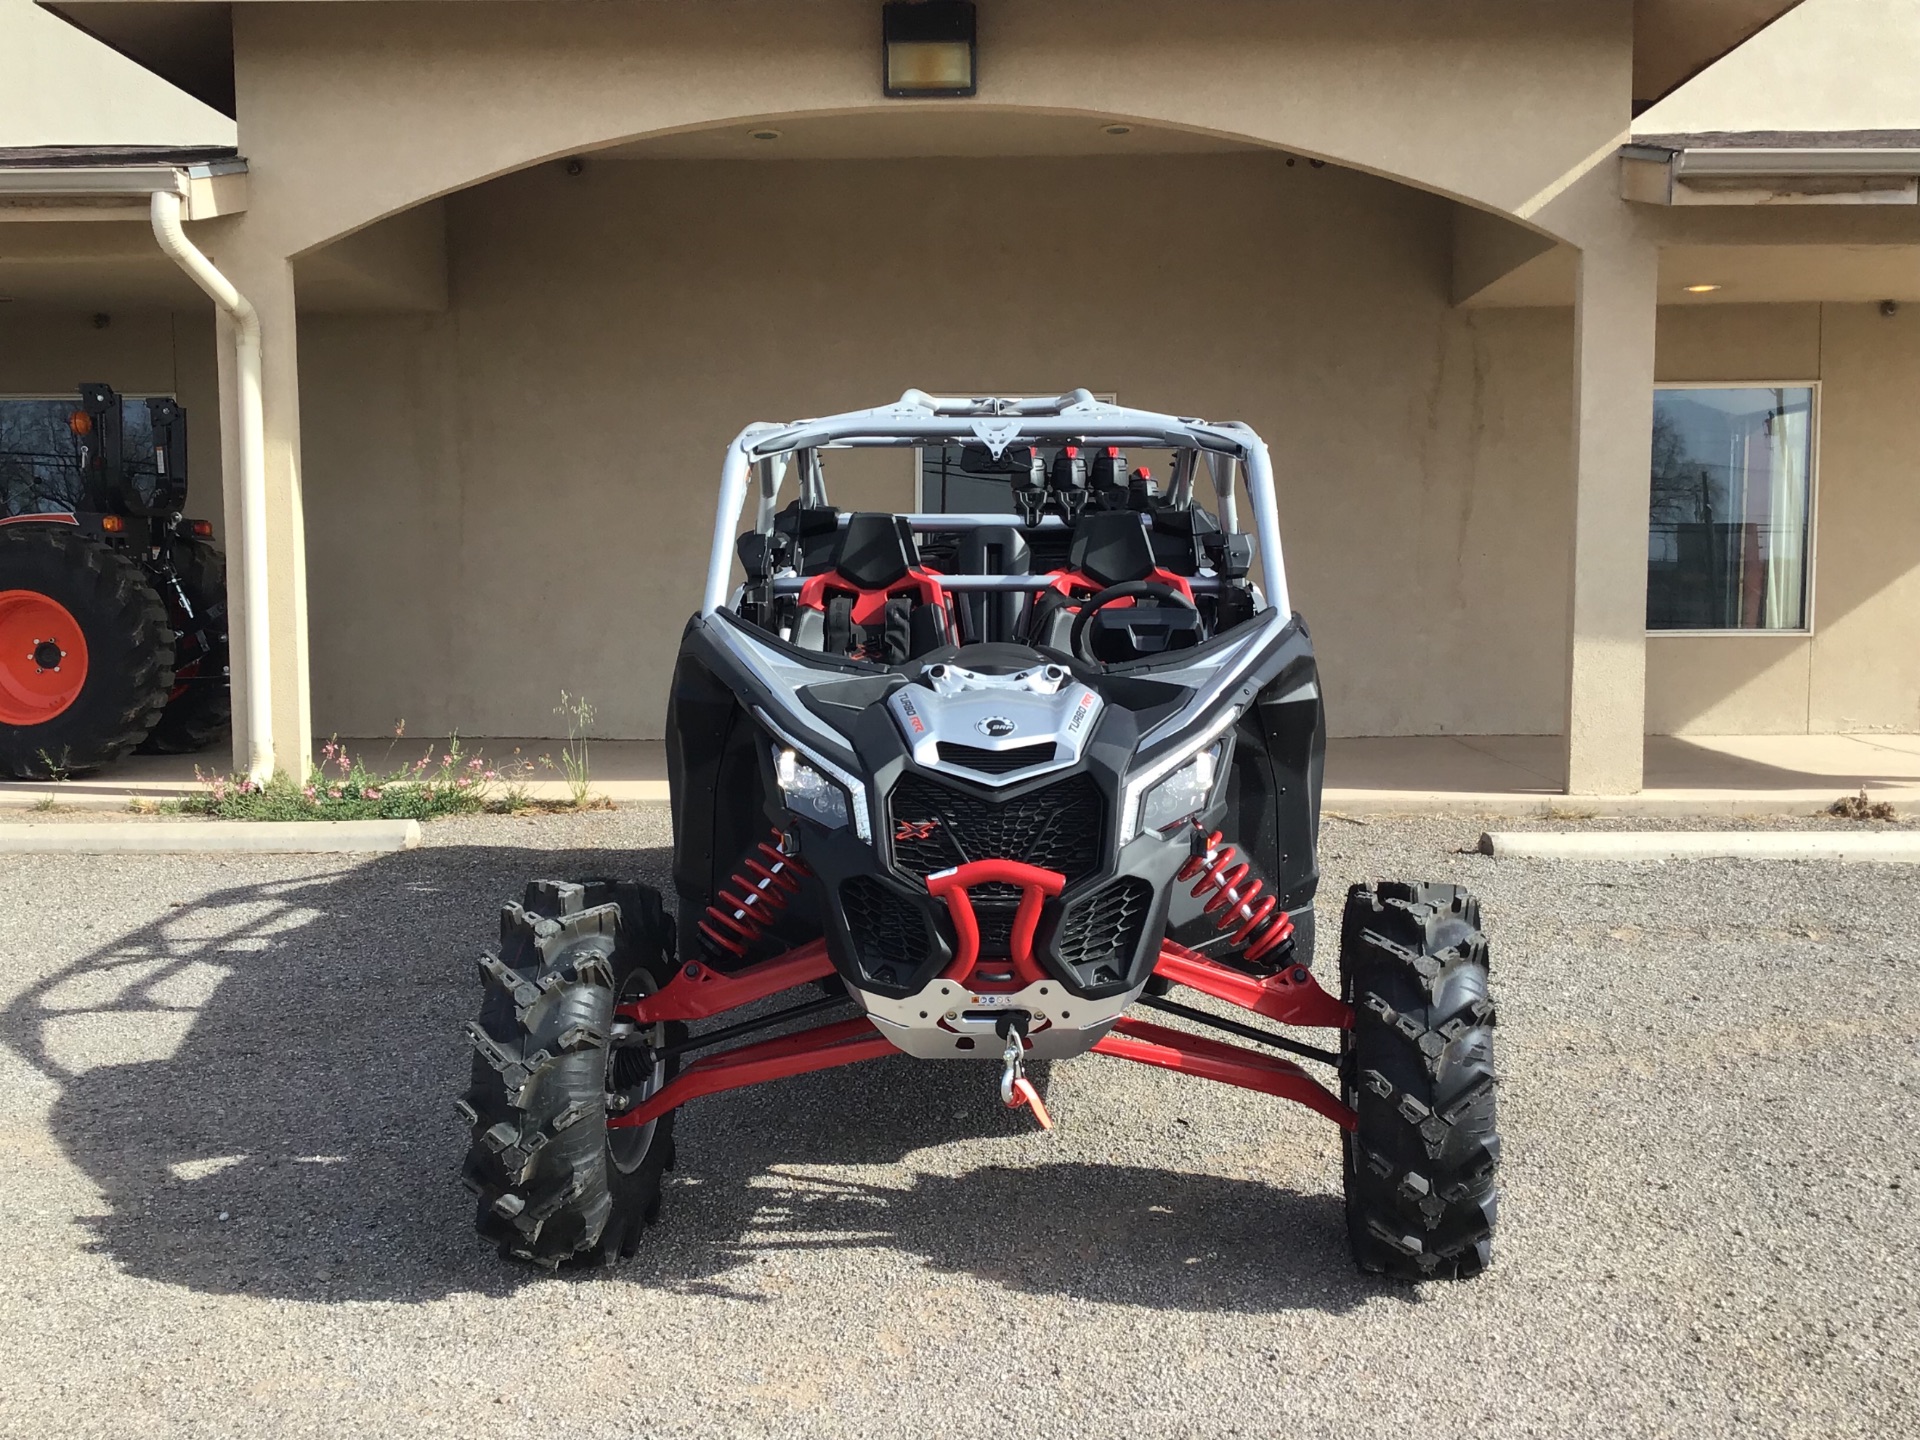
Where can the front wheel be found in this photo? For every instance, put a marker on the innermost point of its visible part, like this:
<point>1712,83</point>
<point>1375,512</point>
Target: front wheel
<point>1417,1069</point>
<point>555,1182</point>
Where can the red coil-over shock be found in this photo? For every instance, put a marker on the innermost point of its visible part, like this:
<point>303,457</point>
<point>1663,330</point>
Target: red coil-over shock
<point>766,880</point>
<point>1262,925</point>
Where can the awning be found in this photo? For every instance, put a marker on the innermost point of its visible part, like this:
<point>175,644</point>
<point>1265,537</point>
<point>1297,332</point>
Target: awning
<point>1773,167</point>
<point>59,182</point>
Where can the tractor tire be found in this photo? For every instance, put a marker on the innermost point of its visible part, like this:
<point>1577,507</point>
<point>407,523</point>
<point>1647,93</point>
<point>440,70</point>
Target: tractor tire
<point>86,654</point>
<point>555,1183</point>
<point>200,708</point>
<point>1417,1069</point>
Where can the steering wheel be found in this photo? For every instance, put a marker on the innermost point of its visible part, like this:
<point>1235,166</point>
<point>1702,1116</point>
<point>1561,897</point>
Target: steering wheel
<point>1132,590</point>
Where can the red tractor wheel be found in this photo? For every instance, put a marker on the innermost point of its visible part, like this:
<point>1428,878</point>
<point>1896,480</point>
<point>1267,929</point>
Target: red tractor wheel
<point>43,658</point>
<point>86,654</point>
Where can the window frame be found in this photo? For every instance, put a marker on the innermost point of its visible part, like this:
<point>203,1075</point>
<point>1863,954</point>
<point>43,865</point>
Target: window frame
<point>1814,428</point>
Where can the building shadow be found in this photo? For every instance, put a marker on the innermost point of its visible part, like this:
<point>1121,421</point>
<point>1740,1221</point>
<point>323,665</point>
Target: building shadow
<point>1674,760</point>
<point>260,1084</point>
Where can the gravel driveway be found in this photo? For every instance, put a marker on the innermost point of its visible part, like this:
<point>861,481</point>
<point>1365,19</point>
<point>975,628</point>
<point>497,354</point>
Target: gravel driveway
<point>231,1204</point>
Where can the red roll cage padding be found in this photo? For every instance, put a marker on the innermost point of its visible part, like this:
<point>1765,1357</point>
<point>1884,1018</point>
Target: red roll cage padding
<point>870,606</point>
<point>1036,885</point>
<point>1292,996</point>
<point>1190,1054</point>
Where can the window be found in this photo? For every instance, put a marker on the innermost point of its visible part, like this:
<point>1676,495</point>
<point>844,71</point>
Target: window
<point>40,456</point>
<point>1730,525</point>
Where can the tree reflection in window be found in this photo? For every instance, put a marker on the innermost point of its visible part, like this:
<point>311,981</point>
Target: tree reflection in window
<point>1730,515</point>
<point>40,457</point>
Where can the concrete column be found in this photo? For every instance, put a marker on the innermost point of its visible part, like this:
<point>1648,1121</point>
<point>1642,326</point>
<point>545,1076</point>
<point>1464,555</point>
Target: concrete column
<point>268,283</point>
<point>1614,307</point>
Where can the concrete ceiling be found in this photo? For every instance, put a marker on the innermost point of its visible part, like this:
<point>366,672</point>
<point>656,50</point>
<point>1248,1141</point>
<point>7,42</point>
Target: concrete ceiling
<point>1745,275</point>
<point>1674,40</point>
<point>88,265</point>
<point>897,132</point>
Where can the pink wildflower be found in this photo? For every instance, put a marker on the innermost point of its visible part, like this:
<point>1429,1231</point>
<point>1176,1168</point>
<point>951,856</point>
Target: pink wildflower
<point>311,793</point>
<point>370,793</point>
<point>461,783</point>
<point>334,792</point>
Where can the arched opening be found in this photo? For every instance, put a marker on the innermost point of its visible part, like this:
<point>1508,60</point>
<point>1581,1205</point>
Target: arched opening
<point>515,398</point>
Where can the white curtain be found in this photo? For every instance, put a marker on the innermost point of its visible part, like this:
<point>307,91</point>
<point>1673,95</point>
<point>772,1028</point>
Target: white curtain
<point>1787,514</point>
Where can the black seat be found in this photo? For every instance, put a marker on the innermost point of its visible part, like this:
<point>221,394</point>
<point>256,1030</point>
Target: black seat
<point>1110,547</point>
<point>875,551</point>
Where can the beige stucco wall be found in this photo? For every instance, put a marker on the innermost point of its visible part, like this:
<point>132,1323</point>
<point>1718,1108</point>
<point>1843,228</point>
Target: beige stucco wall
<point>1824,65</point>
<point>353,112</point>
<point>1859,669</point>
<point>59,86</point>
<point>512,498</point>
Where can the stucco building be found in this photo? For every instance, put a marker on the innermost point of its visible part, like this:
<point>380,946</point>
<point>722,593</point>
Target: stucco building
<point>521,270</point>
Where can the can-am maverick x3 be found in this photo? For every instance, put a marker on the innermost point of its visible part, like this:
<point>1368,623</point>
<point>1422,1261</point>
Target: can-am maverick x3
<point>994,782</point>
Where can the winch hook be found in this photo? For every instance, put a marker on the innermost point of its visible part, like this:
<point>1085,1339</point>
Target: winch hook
<point>1015,1089</point>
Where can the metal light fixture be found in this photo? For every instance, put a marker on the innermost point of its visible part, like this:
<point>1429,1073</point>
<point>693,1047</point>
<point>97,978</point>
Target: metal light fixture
<point>1701,289</point>
<point>928,48</point>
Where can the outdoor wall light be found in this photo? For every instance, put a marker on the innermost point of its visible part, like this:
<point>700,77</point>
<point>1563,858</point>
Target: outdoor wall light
<point>1701,289</point>
<point>928,48</point>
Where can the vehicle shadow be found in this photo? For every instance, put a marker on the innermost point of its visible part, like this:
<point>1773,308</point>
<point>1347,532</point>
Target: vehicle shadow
<point>261,1083</point>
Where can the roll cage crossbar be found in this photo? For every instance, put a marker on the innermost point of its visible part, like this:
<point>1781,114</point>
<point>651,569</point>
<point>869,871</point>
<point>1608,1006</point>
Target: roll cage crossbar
<point>919,419</point>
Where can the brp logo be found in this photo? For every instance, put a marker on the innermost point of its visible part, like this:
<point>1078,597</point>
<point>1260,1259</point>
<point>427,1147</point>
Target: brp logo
<point>995,726</point>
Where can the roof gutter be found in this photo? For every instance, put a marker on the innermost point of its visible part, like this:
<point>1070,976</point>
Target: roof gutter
<point>119,192</point>
<point>1769,175</point>
<point>166,212</point>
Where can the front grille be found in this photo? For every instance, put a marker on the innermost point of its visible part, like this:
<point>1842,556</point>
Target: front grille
<point>1059,827</point>
<point>1104,929</point>
<point>995,762</point>
<point>994,906</point>
<point>887,929</point>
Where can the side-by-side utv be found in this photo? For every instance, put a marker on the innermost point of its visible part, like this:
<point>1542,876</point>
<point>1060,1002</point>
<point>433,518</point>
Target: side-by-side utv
<point>995,781</point>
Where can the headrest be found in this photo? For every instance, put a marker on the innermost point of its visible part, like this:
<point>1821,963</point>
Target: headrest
<point>875,550</point>
<point>1111,546</point>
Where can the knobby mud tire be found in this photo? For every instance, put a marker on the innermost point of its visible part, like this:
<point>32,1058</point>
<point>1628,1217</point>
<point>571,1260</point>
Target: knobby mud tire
<point>555,1183</point>
<point>1417,1068</point>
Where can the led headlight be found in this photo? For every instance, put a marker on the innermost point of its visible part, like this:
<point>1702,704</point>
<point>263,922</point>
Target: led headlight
<point>808,793</point>
<point>1184,793</point>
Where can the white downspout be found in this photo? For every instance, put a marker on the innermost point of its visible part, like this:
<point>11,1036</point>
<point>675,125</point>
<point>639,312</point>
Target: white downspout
<point>253,476</point>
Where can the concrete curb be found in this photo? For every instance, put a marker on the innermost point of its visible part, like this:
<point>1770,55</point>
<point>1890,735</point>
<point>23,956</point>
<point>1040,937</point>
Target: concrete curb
<point>1881,846</point>
<point>1648,805</point>
<point>187,837</point>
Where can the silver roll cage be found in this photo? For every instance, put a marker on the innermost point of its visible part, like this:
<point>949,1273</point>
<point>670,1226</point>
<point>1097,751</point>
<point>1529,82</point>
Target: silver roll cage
<point>920,419</point>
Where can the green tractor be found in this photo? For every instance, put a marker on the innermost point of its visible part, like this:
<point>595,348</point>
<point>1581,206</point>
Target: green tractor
<point>113,605</point>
